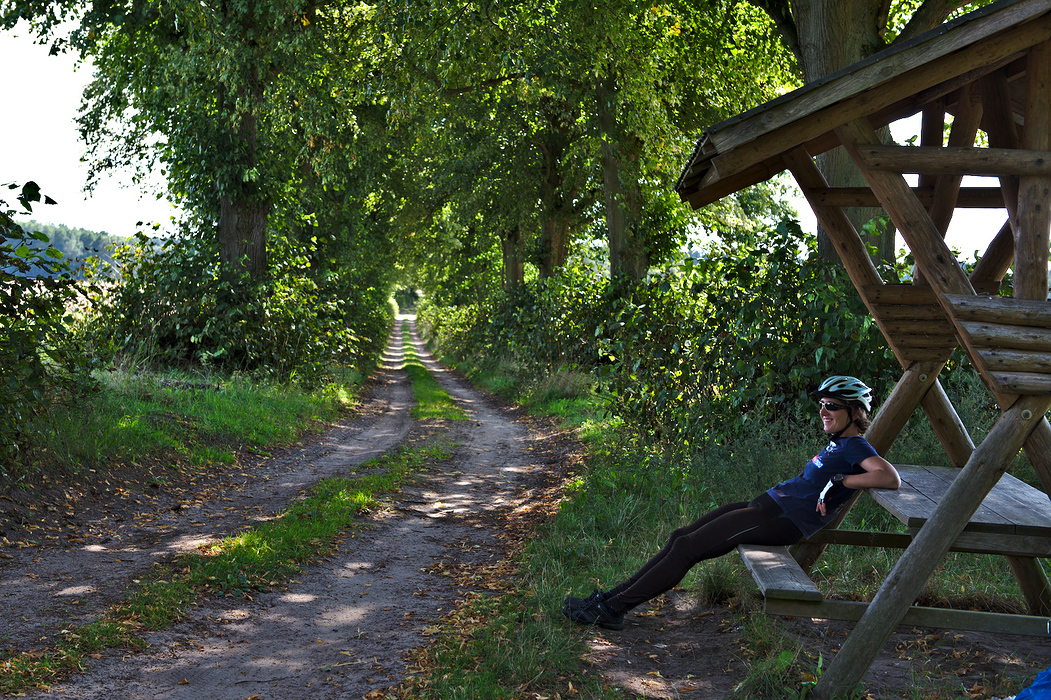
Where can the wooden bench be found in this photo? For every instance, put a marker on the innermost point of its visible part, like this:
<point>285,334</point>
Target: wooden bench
<point>1014,519</point>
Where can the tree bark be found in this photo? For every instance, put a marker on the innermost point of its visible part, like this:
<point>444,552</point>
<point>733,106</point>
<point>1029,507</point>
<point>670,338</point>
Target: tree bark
<point>242,237</point>
<point>514,266</point>
<point>243,211</point>
<point>833,34</point>
<point>554,245</point>
<point>628,256</point>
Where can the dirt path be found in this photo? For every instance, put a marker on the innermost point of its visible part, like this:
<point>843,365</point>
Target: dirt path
<point>341,627</point>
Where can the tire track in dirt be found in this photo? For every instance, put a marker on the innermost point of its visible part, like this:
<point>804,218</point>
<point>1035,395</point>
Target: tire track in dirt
<point>342,627</point>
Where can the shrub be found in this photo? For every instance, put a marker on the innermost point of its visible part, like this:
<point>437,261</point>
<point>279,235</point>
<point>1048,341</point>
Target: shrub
<point>38,360</point>
<point>723,338</point>
<point>169,304</point>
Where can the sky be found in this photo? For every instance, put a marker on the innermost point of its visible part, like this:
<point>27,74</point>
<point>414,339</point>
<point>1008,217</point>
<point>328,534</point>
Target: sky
<point>39,141</point>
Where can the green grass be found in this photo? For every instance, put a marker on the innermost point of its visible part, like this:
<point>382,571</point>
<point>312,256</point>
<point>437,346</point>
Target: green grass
<point>431,400</point>
<point>179,420</point>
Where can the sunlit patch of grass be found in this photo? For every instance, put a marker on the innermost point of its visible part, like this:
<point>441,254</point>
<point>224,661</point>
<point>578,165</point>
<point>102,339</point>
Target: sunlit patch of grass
<point>138,418</point>
<point>431,400</point>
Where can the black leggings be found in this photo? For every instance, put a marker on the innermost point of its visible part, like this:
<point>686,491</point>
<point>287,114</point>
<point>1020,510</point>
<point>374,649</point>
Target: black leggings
<point>759,522</point>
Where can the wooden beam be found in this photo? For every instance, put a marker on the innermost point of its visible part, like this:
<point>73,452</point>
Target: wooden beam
<point>915,616</point>
<point>917,563</point>
<point>940,268</point>
<point>996,335</point>
<point>1022,383</point>
<point>964,129</point>
<point>1034,584</point>
<point>947,187</point>
<point>1033,233</point>
<point>932,134</point>
<point>968,46</point>
<point>959,160</point>
<point>1038,450</point>
<point>744,150</point>
<point>851,249</point>
<point>998,256</point>
<point>1017,312</point>
<point>968,198</point>
<point>999,124</point>
<point>1000,360</point>
<point>971,542</point>
<point>947,425</point>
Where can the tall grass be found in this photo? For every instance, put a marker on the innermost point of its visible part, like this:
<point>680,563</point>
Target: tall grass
<point>181,421</point>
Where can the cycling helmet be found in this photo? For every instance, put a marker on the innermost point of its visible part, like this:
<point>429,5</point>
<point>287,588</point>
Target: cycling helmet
<point>846,389</point>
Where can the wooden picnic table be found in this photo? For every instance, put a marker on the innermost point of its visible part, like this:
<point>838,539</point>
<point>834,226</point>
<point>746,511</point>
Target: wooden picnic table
<point>1013,520</point>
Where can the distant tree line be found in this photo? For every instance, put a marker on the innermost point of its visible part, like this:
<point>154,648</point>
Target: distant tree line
<point>76,244</point>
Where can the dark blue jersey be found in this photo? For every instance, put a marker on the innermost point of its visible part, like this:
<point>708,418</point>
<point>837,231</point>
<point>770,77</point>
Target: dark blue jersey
<point>798,496</point>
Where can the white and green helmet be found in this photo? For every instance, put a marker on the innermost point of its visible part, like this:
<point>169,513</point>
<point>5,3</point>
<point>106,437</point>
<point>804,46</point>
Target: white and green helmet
<point>846,389</point>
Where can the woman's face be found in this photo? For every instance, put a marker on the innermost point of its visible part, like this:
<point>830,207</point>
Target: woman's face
<point>835,416</point>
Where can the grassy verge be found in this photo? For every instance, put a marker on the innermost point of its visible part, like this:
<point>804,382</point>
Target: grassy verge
<point>620,509</point>
<point>179,421</point>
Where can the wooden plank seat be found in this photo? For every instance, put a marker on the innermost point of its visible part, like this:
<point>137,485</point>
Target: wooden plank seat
<point>1014,519</point>
<point>777,573</point>
<point>1009,341</point>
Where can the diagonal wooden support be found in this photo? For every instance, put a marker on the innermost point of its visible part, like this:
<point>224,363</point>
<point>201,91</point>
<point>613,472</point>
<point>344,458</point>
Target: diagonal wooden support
<point>951,431</point>
<point>906,580</point>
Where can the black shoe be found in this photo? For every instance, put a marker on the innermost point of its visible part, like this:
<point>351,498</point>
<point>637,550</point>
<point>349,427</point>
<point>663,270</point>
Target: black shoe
<point>595,612</point>
<point>571,603</point>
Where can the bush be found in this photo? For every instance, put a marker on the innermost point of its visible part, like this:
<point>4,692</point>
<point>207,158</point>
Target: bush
<point>739,333</point>
<point>169,304</point>
<point>38,360</point>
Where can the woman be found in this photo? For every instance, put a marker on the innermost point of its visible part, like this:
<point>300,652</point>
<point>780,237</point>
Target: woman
<point>784,515</point>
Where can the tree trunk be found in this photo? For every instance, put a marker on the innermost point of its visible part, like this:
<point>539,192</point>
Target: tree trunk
<point>554,245</point>
<point>243,213</point>
<point>242,237</point>
<point>514,267</point>
<point>833,34</point>
<point>628,256</point>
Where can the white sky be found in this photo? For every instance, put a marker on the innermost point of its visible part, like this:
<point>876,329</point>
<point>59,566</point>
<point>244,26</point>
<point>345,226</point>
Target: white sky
<point>39,141</point>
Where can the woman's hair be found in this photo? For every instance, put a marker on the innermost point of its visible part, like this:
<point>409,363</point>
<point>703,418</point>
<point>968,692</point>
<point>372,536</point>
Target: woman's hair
<point>860,416</point>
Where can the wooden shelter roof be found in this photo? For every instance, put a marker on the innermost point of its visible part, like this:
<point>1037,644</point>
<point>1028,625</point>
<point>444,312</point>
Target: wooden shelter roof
<point>893,84</point>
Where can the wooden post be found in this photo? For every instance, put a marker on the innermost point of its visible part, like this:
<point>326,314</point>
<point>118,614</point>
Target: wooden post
<point>1034,191</point>
<point>906,580</point>
<point>947,425</point>
<point>998,256</point>
<point>964,129</point>
<point>999,124</point>
<point>888,423</point>
<point>1034,584</point>
<point>939,266</point>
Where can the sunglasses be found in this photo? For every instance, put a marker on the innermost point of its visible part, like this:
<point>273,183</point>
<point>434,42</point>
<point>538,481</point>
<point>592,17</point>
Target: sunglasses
<point>831,407</point>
